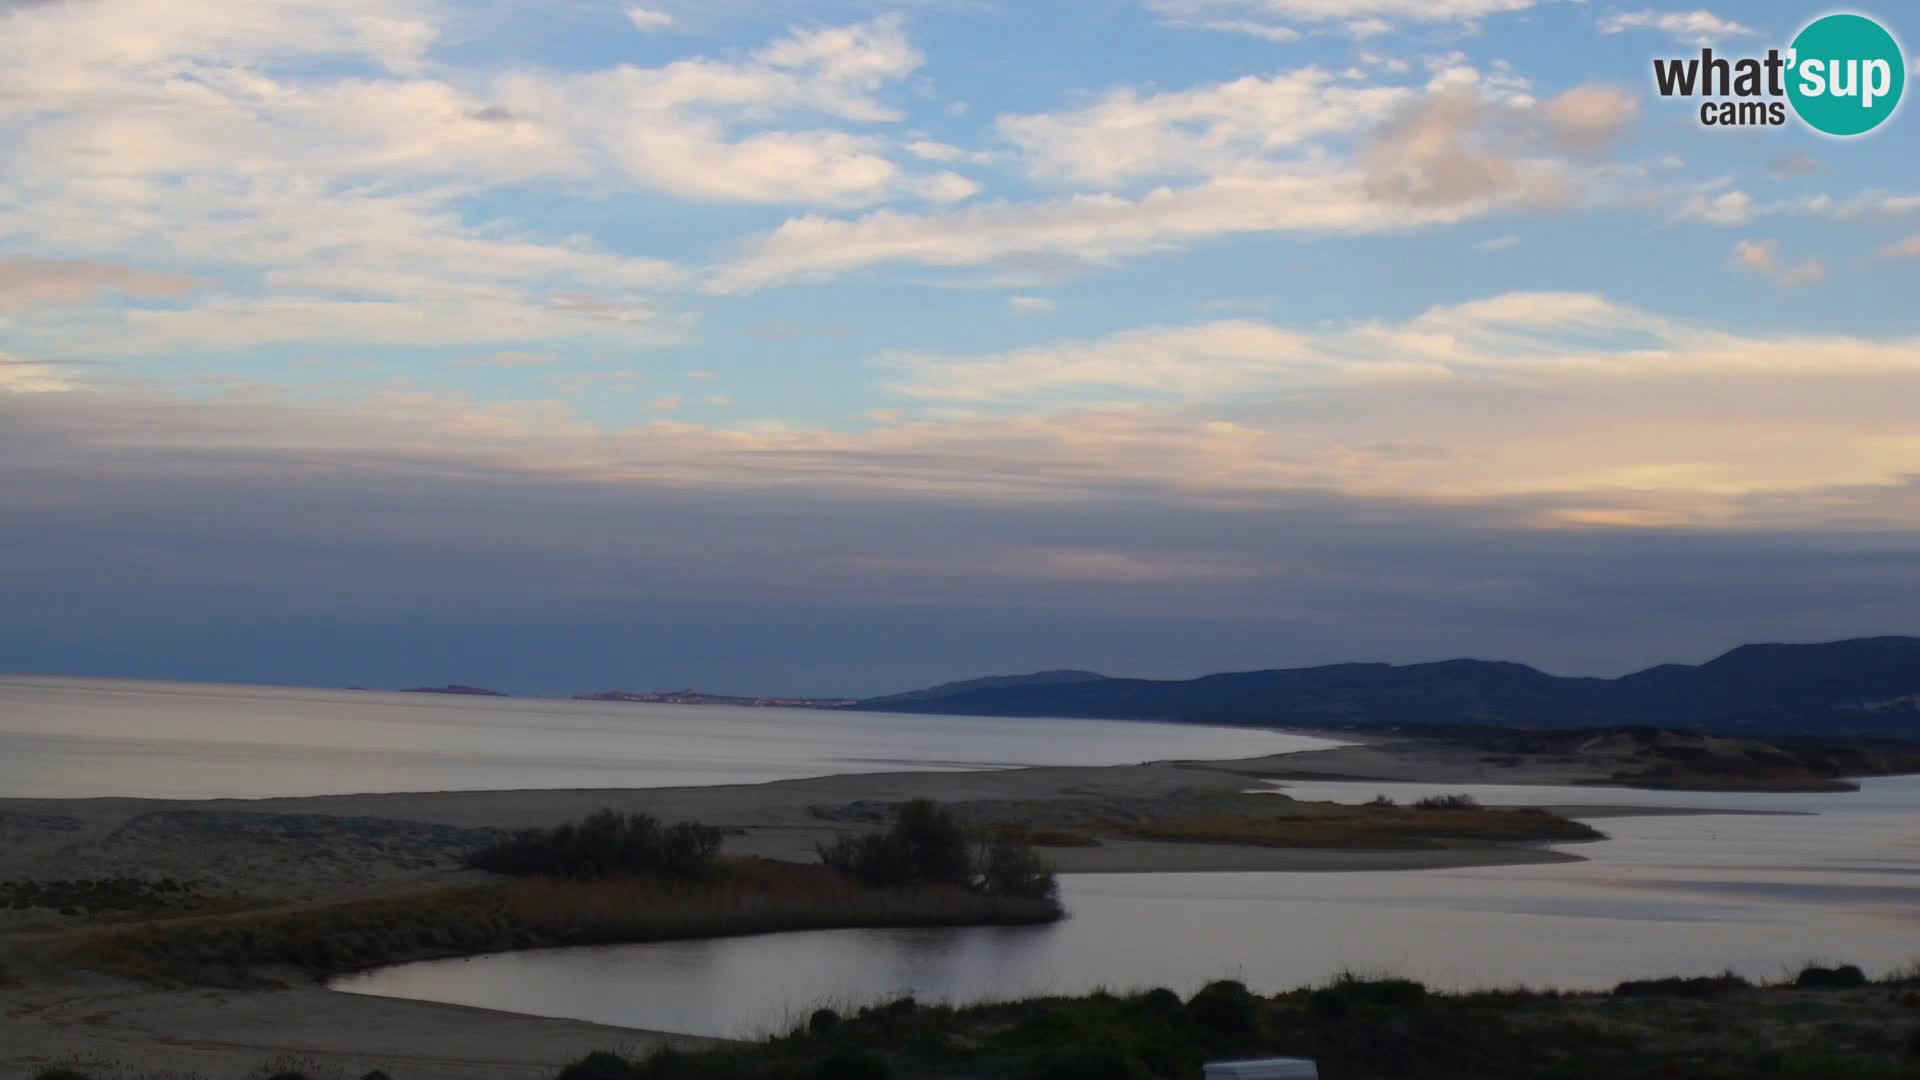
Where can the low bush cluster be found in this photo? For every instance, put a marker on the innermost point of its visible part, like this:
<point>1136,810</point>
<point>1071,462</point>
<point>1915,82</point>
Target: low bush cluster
<point>1844,977</point>
<point>607,844</point>
<point>92,896</point>
<point>927,846</point>
<point>1696,987</point>
<point>1448,802</point>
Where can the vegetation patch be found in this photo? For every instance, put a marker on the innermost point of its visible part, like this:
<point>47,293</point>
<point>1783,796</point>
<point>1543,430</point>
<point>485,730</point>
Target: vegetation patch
<point>743,896</point>
<point>1354,1028</point>
<point>607,844</point>
<point>102,895</point>
<point>1053,838</point>
<point>1374,826</point>
<point>928,846</point>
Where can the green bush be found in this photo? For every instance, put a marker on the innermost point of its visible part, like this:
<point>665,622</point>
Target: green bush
<point>852,1065</point>
<point>1010,868</point>
<point>1161,1001</point>
<point>1448,802</point>
<point>1844,977</point>
<point>1223,1008</point>
<point>926,845</point>
<point>1383,993</point>
<point>1086,1064</point>
<point>1697,987</point>
<point>822,1021</point>
<point>607,844</point>
<point>599,1065</point>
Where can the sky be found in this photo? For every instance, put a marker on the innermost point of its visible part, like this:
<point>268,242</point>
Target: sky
<point>840,347</point>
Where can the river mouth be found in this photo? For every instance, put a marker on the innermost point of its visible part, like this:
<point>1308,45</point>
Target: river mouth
<point>1762,895</point>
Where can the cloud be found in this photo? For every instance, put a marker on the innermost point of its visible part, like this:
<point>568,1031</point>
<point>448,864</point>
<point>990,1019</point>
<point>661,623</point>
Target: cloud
<point>1718,207</point>
<point>1208,131</point>
<point>1030,305</point>
<point>1762,257</point>
<point>1685,27</point>
<point>1903,249</point>
<point>1590,119</point>
<point>509,360</point>
<point>1564,337</point>
<point>649,19</point>
<point>331,561</point>
<point>1456,147</point>
<point>1443,158</point>
<point>27,283</point>
<point>1498,243</point>
<point>1088,228</point>
<point>1273,19</point>
<point>27,377</point>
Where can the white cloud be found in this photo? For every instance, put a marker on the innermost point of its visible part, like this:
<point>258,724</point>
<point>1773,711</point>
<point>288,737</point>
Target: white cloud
<point>1030,305</point>
<point>1519,395</point>
<point>1444,158</point>
<point>1085,228</point>
<point>26,377</point>
<point>1361,17</point>
<point>1529,336</point>
<point>1903,249</point>
<point>649,19</point>
<point>1718,207</point>
<point>1207,131</point>
<point>509,360</point>
<point>1686,27</point>
<point>27,283</point>
<point>1763,257</point>
<point>1498,243</point>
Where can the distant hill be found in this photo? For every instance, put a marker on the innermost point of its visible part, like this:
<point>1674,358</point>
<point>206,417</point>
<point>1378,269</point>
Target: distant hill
<point>991,682</point>
<point>1864,687</point>
<point>454,688</point>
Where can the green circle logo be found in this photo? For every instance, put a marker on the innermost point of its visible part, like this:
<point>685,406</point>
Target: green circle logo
<point>1847,74</point>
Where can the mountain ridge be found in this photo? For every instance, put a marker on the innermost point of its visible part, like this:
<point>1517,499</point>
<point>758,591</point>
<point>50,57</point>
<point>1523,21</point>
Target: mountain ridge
<point>1856,687</point>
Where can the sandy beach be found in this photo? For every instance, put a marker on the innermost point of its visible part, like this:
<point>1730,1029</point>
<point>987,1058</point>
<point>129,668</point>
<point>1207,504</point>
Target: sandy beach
<point>310,850</point>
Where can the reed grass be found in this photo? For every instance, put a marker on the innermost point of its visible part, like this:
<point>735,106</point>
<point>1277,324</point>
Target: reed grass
<point>747,897</point>
<point>1375,827</point>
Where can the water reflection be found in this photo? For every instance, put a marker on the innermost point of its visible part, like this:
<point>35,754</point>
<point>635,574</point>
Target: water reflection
<point>1838,879</point>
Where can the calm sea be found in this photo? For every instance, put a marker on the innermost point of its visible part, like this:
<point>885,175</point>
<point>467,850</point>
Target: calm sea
<point>62,738</point>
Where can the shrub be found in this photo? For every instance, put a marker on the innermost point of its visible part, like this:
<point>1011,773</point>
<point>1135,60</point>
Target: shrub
<point>822,1021</point>
<point>1381,800</point>
<point>1010,868</point>
<point>1697,987</point>
<point>852,1065</point>
<point>376,1074</point>
<point>607,844</point>
<point>1844,977</point>
<point>1448,802</point>
<point>599,1065</point>
<point>1223,1008</point>
<point>1384,993</point>
<point>1328,1004</point>
<point>1160,1000</point>
<point>61,1073</point>
<point>1085,1064</point>
<point>926,845</point>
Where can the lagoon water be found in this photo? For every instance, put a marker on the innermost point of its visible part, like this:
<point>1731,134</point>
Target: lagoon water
<point>77,738</point>
<point>1838,879</point>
